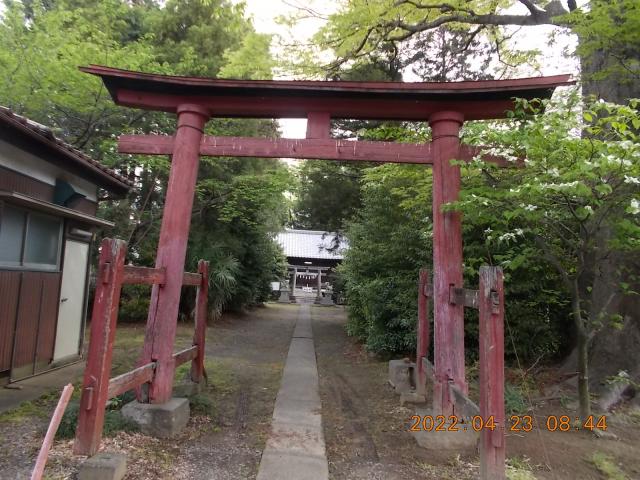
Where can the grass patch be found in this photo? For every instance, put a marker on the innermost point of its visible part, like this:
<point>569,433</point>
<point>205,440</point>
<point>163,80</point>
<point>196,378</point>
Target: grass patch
<point>514,400</point>
<point>519,468</point>
<point>39,408</point>
<point>113,420</point>
<point>606,466</point>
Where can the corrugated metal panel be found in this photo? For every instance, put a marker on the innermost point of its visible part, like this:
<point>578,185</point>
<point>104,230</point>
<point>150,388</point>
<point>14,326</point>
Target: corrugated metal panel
<point>48,318</point>
<point>36,324</point>
<point>9,289</point>
<point>27,325</point>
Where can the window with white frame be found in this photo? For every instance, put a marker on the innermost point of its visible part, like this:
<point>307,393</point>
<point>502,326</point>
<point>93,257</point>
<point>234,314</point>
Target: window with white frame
<point>29,240</point>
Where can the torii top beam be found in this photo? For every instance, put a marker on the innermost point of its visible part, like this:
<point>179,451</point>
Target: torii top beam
<point>476,100</point>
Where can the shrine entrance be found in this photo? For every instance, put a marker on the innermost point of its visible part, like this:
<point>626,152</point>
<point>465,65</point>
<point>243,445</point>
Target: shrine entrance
<point>445,106</point>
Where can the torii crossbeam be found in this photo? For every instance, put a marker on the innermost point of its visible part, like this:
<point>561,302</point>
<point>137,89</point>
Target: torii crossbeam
<point>445,106</point>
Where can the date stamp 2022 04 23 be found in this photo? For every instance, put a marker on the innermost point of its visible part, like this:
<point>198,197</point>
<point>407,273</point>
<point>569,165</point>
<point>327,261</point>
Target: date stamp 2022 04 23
<point>516,423</point>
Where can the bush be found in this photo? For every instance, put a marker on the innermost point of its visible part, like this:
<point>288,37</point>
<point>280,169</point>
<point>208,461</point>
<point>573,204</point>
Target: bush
<point>113,420</point>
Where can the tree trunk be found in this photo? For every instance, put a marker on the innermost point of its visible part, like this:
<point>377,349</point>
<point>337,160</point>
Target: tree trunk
<point>584,397</point>
<point>611,349</point>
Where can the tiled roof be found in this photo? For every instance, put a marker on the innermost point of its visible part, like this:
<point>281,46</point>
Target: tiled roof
<point>310,244</point>
<point>45,136</point>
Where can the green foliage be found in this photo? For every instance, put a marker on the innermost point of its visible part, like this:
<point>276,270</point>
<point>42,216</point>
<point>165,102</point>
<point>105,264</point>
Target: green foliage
<point>514,400</point>
<point>113,420</point>
<point>573,189</point>
<point>328,195</point>
<point>240,202</point>
<point>611,28</point>
<point>389,242</point>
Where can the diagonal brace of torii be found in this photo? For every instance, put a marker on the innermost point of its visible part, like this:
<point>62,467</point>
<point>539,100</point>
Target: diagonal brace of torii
<point>445,106</point>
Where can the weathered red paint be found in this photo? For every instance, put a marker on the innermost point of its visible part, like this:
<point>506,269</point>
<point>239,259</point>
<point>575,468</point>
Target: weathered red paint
<point>41,461</point>
<point>130,380</point>
<point>321,149</point>
<point>327,149</point>
<point>447,262</point>
<point>172,248</point>
<point>295,99</point>
<point>491,309</point>
<point>103,329</point>
<point>318,125</point>
<point>143,275</point>
<point>186,354</point>
<point>200,334</point>
<point>423,334</point>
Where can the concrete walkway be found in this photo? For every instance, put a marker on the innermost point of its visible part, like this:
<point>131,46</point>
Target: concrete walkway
<point>295,448</point>
<point>32,388</point>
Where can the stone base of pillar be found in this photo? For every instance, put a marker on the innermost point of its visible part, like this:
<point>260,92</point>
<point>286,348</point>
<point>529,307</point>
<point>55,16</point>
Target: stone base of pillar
<point>159,420</point>
<point>463,441</point>
<point>103,466</point>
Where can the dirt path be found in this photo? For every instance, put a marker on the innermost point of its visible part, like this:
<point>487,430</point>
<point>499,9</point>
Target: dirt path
<point>365,428</point>
<point>245,357</point>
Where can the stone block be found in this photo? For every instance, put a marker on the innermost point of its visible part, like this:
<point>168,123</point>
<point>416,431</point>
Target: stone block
<point>284,296</point>
<point>327,301</point>
<point>401,375</point>
<point>159,420</point>
<point>412,397</point>
<point>103,466</point>
<point>464,441</point>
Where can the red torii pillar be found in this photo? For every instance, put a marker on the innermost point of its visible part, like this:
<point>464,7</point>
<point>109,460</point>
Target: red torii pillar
<point>172,250</point>
<point>448,319</point>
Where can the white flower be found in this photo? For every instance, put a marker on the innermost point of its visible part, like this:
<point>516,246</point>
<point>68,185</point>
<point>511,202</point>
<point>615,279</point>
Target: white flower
<point>634,208</point>
<point>530,208</point>
<point>507,236</point>
<point>488,230</point>
<point>634,180</point>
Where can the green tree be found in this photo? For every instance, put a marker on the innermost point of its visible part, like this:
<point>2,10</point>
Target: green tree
<point>240,202</point>
<point>576,204</point>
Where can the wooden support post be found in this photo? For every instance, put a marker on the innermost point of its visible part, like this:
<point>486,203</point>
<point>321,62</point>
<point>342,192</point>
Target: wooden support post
<point>447,262</point>
<point>41,461</point>
<point>202,312</point>
<point>319,284</point>
<point>95,384</point>
<point>424,284</point>
<point>172,249</point>
<point>491,307</point>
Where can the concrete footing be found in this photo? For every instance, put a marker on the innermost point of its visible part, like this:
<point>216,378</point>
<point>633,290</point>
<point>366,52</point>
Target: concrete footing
<point>159,420</point>
<point>103,466</point>
<point>401,375</point>
<point>464,440</point>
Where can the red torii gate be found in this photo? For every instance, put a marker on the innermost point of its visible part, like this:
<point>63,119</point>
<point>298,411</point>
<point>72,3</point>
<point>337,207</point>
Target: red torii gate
<point>445,106</point>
